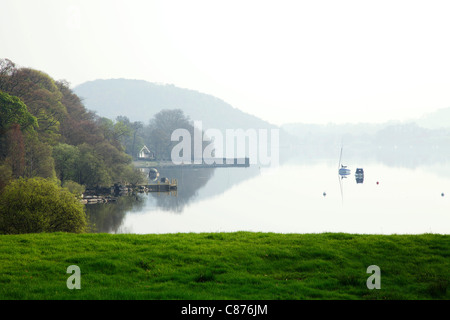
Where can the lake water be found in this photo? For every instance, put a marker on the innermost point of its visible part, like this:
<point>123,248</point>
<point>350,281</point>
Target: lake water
<point>393,199</point>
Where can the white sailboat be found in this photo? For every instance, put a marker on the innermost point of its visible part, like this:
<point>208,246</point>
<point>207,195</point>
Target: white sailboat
<point>343,173</point>
<point>343,170</point>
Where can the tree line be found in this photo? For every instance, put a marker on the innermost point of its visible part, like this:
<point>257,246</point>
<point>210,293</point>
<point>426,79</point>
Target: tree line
<point>156,134</point>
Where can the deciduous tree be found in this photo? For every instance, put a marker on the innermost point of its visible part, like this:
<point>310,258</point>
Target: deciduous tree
<point>66,159</point>
<point>16,151</point>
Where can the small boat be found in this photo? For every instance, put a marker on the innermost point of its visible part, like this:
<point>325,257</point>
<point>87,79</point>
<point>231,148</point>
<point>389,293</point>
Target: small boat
<point>153,174</point>
<point>343,170</point>
<point>359,175</point>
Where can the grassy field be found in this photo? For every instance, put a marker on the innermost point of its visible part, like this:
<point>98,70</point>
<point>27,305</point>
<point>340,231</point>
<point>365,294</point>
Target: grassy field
<point>210,266</point>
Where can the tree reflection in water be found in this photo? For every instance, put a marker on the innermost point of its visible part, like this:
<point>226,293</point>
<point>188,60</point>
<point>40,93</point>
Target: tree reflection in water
<point>189,182</point>
<point>107,217</point>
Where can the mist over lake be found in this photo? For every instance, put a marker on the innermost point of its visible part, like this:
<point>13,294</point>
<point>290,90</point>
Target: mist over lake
<point>400,194</point>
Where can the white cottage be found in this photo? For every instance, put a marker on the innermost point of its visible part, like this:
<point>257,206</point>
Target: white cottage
<point>146,154</point>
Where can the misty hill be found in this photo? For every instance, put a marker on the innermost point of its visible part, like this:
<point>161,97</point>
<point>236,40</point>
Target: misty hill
<point>379,134</point>
<point>140,100</point>
<point>393,143</point>
<point>435,120</point>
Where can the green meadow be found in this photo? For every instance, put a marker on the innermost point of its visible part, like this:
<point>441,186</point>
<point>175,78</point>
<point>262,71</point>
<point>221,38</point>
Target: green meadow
<point>210,266</point>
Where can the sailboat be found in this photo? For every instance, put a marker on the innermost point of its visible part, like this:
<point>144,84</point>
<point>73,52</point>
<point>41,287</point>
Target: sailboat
<point>343,170</point>
<point>343,173</point>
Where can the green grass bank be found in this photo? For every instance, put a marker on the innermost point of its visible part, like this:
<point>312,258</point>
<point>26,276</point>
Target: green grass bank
<point>212,266</point>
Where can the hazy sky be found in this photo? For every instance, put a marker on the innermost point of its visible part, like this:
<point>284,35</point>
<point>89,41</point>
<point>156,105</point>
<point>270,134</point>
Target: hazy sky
<point>284,61</point>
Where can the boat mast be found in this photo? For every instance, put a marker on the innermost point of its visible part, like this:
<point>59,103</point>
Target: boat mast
<point>340,157</point>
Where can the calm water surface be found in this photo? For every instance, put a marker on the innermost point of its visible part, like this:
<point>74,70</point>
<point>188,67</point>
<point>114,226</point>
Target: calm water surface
<point>289,199</point>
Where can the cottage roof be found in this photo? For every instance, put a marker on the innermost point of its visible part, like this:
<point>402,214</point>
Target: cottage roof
<point>144,148</point>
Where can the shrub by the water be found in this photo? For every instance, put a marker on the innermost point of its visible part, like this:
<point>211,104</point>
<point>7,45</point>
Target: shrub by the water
<point>39,205</point>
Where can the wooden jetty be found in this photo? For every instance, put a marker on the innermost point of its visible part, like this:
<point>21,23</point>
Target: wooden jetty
<point>111,194</point>
<point>163,186</point>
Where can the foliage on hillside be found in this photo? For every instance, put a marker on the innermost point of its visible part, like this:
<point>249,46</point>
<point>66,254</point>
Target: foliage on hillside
<point>46,129</point>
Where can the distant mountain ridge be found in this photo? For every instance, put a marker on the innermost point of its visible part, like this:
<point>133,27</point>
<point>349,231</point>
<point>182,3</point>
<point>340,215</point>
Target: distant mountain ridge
<point>140,100</point>
<point>435,120</point>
